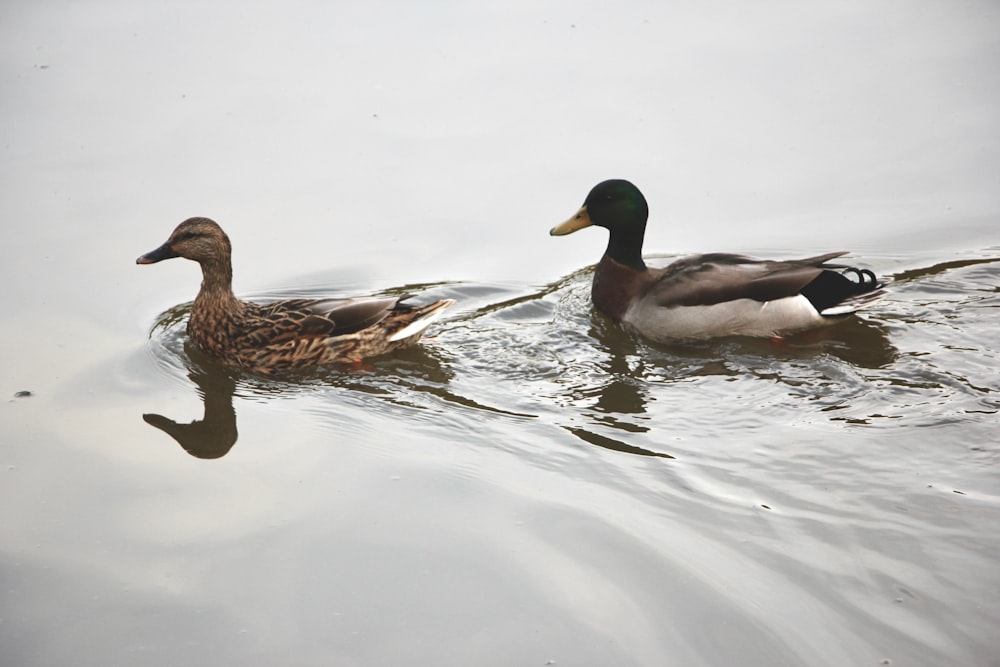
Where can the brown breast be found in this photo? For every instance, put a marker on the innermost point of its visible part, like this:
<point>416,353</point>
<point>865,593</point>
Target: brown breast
<point>616,286</point>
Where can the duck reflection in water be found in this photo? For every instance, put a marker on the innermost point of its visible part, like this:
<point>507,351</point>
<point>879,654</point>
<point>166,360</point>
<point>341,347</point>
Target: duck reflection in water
<point>608,375</point>
<point>213,435</point>
<point>398,378</point>
<point>614,403</point>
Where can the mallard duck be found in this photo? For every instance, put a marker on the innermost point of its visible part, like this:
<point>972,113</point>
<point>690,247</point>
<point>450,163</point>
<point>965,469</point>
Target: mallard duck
<point>707,296</point>
<point>289,334</point>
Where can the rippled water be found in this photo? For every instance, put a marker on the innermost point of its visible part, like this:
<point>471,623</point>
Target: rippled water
<point>727,487</point>
<point>545,354</point>
<point>532,485</point>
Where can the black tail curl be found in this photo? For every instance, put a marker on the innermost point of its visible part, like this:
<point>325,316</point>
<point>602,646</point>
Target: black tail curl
<point>833,287</point>
<point>866,277</point>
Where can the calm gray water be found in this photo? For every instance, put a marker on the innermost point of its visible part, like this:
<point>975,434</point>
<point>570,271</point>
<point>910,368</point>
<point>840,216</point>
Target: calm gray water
<point>532,486</point>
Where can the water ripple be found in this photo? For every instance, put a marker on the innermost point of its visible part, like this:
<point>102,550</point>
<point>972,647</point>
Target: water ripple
<point>513,352</point>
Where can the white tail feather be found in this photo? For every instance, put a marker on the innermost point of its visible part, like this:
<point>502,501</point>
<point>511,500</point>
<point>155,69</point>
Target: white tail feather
<point>417,326</point>
<point>854,303</point>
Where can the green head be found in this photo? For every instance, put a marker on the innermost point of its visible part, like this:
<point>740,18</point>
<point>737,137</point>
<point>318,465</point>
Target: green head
<point>619,207</point>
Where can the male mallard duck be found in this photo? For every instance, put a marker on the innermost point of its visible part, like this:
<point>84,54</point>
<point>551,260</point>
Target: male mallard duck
<point>705,296</point>
<point>295,333</point>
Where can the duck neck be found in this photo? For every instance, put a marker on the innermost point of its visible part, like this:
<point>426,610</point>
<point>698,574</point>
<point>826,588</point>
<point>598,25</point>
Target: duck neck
<point>626,248</point>
<point>216,292</point>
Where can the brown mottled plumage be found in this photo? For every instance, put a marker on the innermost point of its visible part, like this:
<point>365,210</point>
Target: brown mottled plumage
<point>284,335</point>
<point>717,294</point>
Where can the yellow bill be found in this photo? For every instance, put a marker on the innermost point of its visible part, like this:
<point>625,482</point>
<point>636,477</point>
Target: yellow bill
<point>578,221</point>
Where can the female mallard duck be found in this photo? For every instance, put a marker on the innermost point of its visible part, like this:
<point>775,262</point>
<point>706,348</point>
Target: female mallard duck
<point>705,296</point>
<point>283,335</point>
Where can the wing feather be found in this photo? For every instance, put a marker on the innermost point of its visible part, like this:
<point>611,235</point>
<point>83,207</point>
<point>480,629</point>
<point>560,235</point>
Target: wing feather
<point>703,280</point>
<point>291,319</point>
